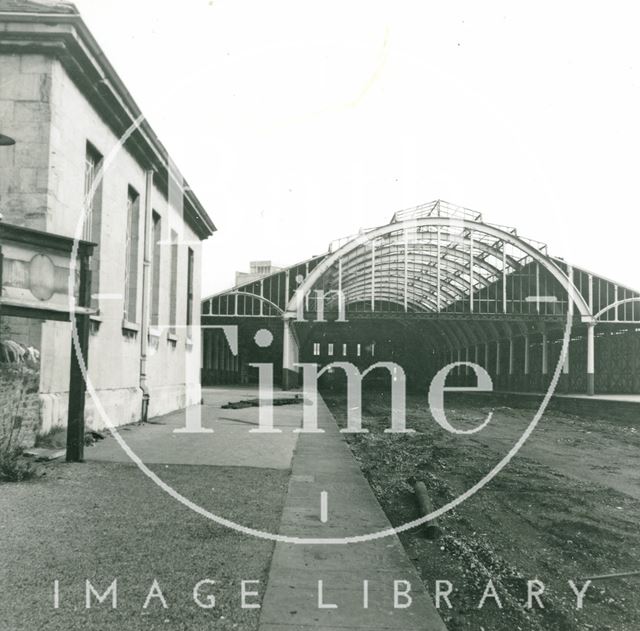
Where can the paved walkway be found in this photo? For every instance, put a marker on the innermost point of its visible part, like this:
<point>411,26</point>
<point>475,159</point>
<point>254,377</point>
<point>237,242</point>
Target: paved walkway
<point>623,398</point>
<point>325,463</point>
<point>230,445</point>
<point>318,462</point>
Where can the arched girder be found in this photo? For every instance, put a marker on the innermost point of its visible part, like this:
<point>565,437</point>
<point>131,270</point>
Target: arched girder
<point>436,335</point>
<point>471,332</point>
<point>447,266</point>
<point>453,292</point>
<point>423,292</point>
<point>441,338</point>
<point>412,227</point>
<point>256,296</point>
<point>485,248</point>
<point>464,333</point>
<point>448,280</point>
<point>420,269</point>
<point>384,298</point>
<point>461,333</point>
<point>363,260</point>
<point>449,338</point>
<point>505,328</point>
<point>387,251</point>
<point>421,335</point>
<point>508,327</point>
<point>430,289</point>
<point>481,331</point>
<point>450,330</point>
<point>493,231</point>
<point>494,330</point>
<point>432,335</point>
<point>385,293</point>
<point>260,298</point>
<point>614,305</point>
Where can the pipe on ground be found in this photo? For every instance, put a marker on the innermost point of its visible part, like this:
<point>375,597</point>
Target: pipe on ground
<point>431,529</point>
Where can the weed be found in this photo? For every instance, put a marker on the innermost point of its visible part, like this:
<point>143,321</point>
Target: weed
<point>19,382</point>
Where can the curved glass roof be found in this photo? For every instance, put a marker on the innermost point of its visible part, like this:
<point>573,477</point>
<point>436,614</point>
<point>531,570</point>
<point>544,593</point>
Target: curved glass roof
<point>433,260</point>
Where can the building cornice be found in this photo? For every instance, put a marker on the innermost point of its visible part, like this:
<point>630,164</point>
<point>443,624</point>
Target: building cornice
<point>67,38</point>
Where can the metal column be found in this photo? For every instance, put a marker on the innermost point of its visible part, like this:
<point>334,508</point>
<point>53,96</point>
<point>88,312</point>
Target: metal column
<point>591,363</point>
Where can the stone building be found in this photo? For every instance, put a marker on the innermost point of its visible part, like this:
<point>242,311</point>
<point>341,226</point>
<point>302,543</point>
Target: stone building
<point>87,164</point>
<point>257,270</point>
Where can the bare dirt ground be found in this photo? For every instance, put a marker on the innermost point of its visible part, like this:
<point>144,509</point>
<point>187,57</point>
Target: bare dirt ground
<point>106,521</point>
<point>565,508</point>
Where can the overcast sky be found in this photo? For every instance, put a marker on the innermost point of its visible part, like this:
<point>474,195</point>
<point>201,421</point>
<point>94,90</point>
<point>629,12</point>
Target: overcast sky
<point>299,122</point>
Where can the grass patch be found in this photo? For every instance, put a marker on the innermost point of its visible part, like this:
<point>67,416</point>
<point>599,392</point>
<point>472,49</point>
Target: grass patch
<point>14,467</point>
<point>19,387</point>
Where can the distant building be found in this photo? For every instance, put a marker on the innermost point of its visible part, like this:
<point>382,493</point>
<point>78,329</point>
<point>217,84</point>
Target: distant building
<point>257,270</point>
<point>435,288</point>
<point>67,109</point>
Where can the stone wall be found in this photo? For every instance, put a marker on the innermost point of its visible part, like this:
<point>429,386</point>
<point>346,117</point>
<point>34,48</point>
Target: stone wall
<point>19,405</point>
<point>42,186</point>
<point>25,114</point>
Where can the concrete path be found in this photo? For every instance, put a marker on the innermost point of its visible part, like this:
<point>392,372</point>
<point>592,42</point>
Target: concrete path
<point>230,444</point>
<point>325,463</point>
<point>318,462</point>
<point>623,398</point>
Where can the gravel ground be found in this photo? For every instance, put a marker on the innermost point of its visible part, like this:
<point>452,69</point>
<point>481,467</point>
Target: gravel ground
<point>104,521</point>
<point>566,507</point>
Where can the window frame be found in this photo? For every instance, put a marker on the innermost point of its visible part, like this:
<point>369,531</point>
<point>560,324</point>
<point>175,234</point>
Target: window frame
<point>132,258</point>
<point>156,268</point>
<point>190,293</point>
<point>173,284</point>
<point>92,220</point>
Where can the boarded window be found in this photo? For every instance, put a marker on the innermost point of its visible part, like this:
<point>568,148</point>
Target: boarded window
<point>173,283</point>
<point>132,247</point>
<point>189,289</point>
<point>156,237</point>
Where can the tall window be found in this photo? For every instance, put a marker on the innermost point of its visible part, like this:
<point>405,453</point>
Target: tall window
<point>132,247</point>
<point>173,283</point>
<point>156,231</point>
<point>189,290</point>
<point>92,206</point>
